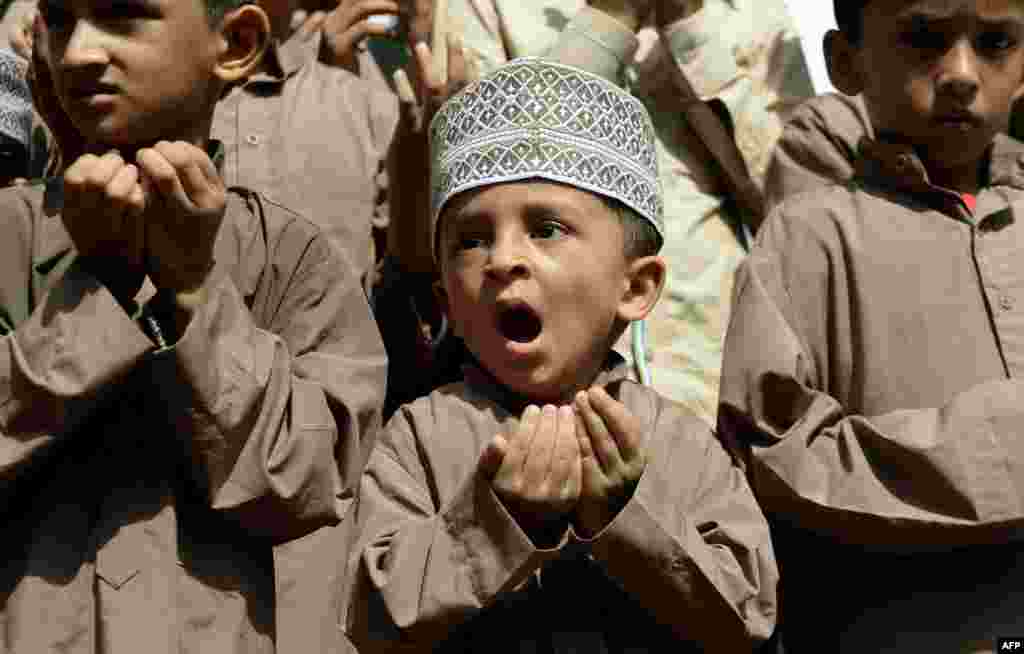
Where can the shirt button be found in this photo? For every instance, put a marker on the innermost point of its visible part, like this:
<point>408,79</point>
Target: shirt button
<point>1005,302</point>
<point>252,139</point>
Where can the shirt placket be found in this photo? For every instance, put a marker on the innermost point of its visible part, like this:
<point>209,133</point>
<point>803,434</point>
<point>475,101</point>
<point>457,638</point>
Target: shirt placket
<point>255,168</point>
<point>997,256</point>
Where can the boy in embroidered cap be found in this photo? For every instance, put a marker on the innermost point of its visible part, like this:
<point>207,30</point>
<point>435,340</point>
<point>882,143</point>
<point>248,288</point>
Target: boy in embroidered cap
<point>872,365</point>
<point>546,498</point>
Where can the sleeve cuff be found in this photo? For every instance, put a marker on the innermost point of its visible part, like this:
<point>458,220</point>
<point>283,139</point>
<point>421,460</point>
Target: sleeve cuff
<point>698,47</point>
<point>502,553</point>
<point>222,342</point>
<point>597,43</point>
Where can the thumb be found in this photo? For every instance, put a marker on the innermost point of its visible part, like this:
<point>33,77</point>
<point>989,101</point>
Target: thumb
<point>493,456</point>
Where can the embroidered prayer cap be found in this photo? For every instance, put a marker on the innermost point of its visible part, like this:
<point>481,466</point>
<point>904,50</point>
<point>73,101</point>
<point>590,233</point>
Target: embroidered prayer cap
<point>533,118</point>
<point>15,99</point>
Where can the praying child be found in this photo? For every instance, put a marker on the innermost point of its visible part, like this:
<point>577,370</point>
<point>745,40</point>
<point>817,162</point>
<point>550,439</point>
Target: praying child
<point>546,502</point>
<point>188,375</point>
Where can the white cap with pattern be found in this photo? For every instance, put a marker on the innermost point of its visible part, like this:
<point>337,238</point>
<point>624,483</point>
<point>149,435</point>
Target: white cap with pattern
<point>533,118</point>
<point>15,99</point>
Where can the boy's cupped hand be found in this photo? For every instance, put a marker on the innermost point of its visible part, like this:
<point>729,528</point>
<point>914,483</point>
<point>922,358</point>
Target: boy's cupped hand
<point>103,207</point>
<point>613,458</point>
<point>158,216</point>
<point>185,201</point>
<point>537,470</point>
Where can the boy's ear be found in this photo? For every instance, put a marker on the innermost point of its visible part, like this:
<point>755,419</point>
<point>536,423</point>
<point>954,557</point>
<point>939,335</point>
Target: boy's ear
<point>843,62</point>
<point>441,295</point>
<point>645,278</point>
<point>246,37</point>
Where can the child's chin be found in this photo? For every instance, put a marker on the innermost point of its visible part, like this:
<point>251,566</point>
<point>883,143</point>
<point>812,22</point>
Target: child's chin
<point>112,134</point>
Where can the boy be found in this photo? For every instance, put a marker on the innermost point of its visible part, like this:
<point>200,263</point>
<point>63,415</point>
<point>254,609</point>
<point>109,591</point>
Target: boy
<point>188,375</point>
<point>547,503</point>
<point>872,362</point>
<point>743,54</point>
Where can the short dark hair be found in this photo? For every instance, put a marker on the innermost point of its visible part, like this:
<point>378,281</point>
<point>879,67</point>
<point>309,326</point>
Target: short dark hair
<point>640,238</point>
<point>849,18</point>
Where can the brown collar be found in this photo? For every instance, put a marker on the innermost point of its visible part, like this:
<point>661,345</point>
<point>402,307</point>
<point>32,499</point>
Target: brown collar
<point>284,59</point>
<point>897,166</point>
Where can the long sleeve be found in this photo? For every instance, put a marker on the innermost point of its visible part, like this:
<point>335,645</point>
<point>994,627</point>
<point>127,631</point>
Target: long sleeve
<point>425,565</point>
<point>283,399</point>
<point>907,478</point>
<point>60,356</point>
<point>691,545</point>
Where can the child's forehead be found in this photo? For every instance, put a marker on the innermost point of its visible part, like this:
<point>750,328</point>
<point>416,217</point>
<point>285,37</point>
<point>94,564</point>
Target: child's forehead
<point>523,198</point>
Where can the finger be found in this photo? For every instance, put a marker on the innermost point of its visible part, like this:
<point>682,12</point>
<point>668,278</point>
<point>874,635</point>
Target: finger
<point>425,67</point>
<point>74,176</point>
<point>623,425</point>
<point>312,23</point>
<point>102,173</point>
<point>354,34</point>
<point>198,176</point>
<point>493,456</point>
<point>519,444</point>
<point>365,8</point>
<point>567,454</point>
<point>160,176</point>
<point>582,436</point>
<point>439,42</point>
<point>458,68</point>
<point>120,188</point>
<point>537,470</point>
<point>601,442</point>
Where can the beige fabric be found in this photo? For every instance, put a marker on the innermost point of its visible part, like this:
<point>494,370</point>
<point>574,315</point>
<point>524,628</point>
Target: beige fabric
<point>744,52</point>
<point>313,137</point>
<point>872,373</point>
<point>141,493</point>
<point>818,146</point>
<point>439,556</point>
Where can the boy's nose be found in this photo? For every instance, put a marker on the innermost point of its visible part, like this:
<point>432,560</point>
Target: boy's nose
<point>958,75</point>
<point>507,261</point>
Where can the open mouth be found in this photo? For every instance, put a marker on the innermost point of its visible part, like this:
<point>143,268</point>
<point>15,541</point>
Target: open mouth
<point>519,324</point>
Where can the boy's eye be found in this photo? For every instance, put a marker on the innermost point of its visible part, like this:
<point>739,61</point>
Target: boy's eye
<point>55,16</point>
<point>922,38</point>
<point>549,229</point>
<point>464,242</point>
<point>124,10</point>
<point>995,42</point>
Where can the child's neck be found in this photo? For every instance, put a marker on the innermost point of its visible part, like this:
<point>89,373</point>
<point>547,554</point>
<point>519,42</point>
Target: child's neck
<point>198,137</point>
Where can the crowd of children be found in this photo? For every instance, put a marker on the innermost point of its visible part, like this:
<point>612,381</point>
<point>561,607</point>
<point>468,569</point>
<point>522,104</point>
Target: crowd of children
<point>312,346</point>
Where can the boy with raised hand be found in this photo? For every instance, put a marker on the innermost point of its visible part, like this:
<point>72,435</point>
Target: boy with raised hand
<point>872,361</point>
<point>188,374</point>
<point>547,503</point>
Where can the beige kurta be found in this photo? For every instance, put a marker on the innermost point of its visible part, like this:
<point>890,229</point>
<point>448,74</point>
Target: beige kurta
<point>872,372</point>
<point>314,138</point>
<point>745,53</point>
<point>141,492</point>
<point>438,556</point>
